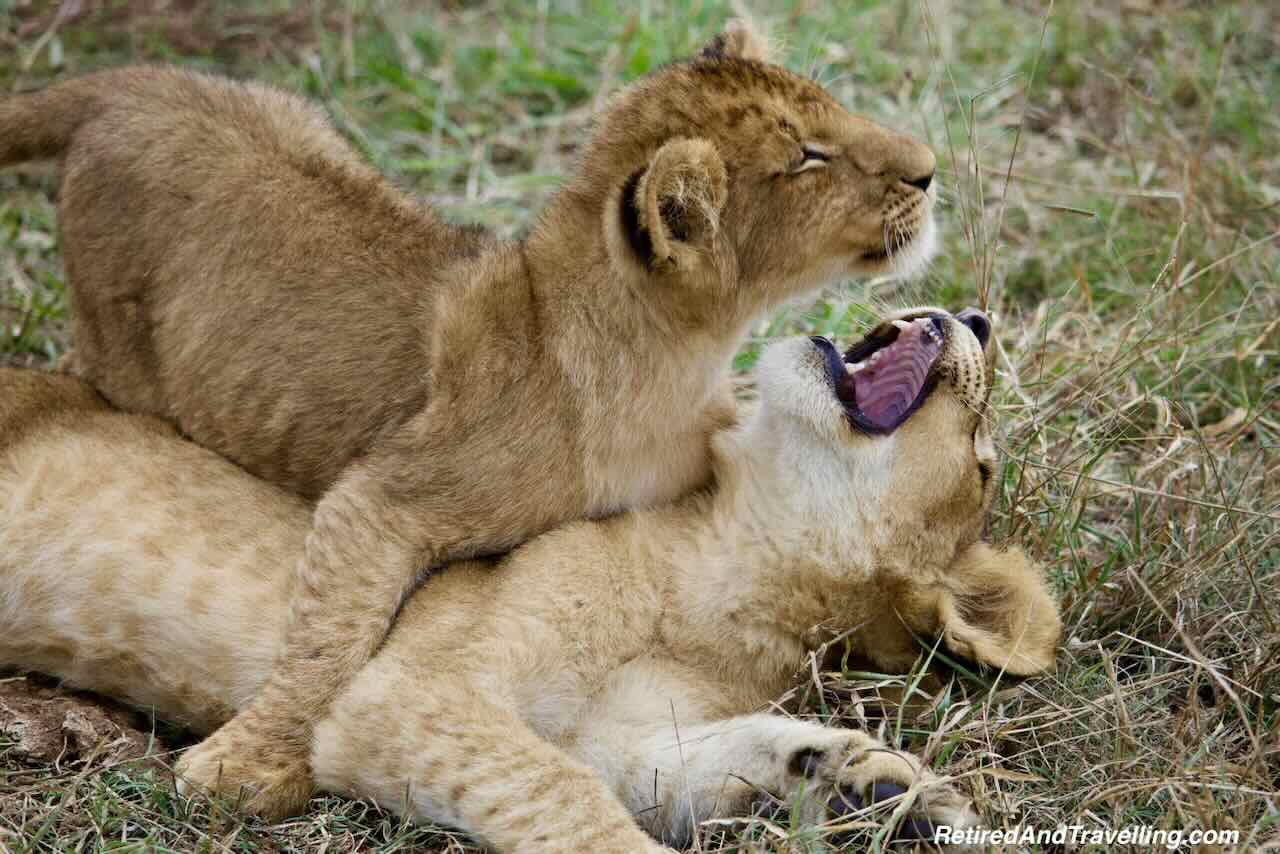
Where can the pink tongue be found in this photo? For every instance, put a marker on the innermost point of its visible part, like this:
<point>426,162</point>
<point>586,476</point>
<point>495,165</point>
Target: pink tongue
<point>886,389</point>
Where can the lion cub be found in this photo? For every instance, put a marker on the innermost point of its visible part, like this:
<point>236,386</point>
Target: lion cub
<point>611,675</point>
<point>236,269</point>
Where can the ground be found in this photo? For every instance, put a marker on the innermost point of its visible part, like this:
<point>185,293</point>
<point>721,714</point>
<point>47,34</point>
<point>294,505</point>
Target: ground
<point>1111,196</point>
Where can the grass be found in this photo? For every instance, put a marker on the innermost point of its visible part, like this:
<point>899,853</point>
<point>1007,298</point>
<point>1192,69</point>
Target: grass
<point>1112,197</point>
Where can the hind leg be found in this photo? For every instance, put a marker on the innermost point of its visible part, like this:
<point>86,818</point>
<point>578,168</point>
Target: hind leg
<point>107,283</point>
<point>113,354</point>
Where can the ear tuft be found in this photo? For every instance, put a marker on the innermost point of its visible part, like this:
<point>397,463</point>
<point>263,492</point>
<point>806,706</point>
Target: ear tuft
<point>740,39</point>
<point>678,201</point>
<point>998,611</point>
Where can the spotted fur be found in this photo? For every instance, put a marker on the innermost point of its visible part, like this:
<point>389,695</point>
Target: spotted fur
<point>605,679</point>
<point>236,269</point>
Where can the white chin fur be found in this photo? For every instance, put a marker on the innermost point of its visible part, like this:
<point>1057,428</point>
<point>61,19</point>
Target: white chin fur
<point>913,259</point>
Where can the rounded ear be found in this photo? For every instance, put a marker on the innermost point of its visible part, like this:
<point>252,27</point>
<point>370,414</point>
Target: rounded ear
<point>997,610</point>
<point>677,203</point>
<point>741,39</point>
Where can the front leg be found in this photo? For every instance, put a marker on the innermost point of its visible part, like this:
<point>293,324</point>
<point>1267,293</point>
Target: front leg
<point>723,768</point>
<point>390,517</point>
<point>416,743</point>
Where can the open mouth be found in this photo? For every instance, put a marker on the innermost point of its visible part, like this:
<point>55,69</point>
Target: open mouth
<point>886,376</point>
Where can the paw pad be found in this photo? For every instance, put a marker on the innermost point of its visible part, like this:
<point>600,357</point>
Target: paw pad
<point>847,801</point>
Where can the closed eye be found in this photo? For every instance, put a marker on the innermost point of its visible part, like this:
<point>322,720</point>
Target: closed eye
<point>811,158</point>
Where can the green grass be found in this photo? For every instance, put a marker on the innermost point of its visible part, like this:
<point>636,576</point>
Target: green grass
<point>1128,250</point>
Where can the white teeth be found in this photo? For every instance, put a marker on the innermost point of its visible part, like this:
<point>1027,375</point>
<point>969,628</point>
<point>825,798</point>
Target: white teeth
<point>854,368</point>
<point>875,357</point>
<point>902,324</point>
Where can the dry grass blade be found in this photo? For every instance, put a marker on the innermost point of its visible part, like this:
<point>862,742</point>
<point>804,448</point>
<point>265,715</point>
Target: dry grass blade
<point>1110,194</point>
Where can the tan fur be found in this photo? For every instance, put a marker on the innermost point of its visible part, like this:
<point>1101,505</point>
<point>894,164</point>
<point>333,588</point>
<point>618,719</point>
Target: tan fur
<point>538,705</point>
<point>236,269</point>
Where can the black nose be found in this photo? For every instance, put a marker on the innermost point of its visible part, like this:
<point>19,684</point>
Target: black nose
<point>978,322</point>
<point>923,183</point>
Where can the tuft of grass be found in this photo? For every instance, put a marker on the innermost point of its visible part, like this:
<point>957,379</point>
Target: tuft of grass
<point>1111,197</point>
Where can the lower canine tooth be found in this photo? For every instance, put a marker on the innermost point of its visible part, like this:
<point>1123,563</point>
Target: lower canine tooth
<point>854,368</point>
<point>902,324</point>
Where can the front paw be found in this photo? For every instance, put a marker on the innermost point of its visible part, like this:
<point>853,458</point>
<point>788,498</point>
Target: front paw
<point>865,777</point>
<point>260,777</point>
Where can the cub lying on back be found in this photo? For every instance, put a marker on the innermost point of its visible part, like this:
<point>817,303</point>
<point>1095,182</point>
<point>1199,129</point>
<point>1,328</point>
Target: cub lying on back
<point>608,672</point>
<point>236,269</point>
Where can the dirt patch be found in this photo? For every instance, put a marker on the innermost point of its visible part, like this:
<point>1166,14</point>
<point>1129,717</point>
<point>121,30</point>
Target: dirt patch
<point>47,725</point>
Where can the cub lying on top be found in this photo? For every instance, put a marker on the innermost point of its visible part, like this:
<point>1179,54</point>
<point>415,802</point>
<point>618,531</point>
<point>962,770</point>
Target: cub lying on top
<point>606,676</point>
<point>235,268</point>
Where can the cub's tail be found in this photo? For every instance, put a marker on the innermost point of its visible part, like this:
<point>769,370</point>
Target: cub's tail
<point>40,125</point>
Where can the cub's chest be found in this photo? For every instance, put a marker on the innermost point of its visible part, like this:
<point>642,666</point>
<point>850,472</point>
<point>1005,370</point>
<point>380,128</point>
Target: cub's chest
<point>644,471</point>
<point>647,423</point>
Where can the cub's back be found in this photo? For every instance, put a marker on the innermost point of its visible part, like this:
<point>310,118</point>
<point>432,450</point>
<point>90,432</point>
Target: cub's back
<point>133,562</point>
<point>235,267</point>
<point>28,398</point>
